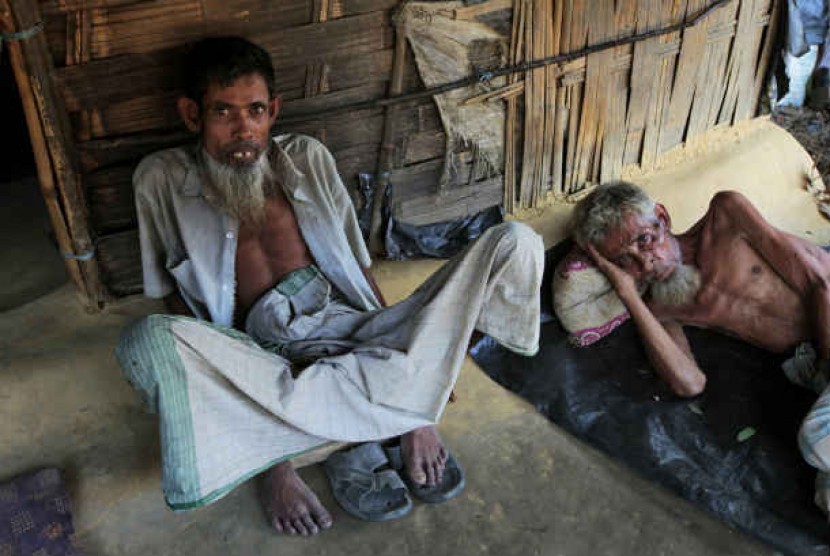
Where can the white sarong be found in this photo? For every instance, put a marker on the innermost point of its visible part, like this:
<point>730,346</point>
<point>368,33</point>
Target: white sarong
<point>230,408</point>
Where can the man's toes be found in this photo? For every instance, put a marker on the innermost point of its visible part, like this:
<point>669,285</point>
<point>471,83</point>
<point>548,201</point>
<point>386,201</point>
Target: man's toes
<point>284,526</point>
<point>299,525</point>
<point>431,475</point>
<point>324,520</point>
<point>310,525</point>
<point>418,476</point>
<point>439,472</point>
<point>276,523</point>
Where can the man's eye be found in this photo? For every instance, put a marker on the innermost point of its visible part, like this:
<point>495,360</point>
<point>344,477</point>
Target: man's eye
<point>257,110</point>
<point>645,240</point>
<point>221,112</point>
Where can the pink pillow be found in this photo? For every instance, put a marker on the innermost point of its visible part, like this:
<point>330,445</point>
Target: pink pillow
<point>584,300</point>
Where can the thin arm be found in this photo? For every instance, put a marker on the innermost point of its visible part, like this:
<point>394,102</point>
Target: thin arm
<point>666,346</point>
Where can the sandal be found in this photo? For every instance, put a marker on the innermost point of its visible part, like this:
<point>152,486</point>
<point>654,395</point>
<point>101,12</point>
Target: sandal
<point>451,485</point>
<point>361,489</point>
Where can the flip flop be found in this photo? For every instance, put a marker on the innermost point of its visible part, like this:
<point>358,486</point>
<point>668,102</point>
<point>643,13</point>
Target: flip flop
<point>363,491</point>
<point>451,485</point>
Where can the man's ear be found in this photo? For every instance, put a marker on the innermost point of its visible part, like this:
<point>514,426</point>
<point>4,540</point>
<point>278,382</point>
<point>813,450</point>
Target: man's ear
<point>189,113</point>
<point>274,107</point>
<point>663,215</point>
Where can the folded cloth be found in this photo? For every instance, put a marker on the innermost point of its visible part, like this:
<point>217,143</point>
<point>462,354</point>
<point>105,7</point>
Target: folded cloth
<point>35,516</point>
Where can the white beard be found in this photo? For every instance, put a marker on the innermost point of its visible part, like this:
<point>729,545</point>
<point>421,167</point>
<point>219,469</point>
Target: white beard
<point>679,289</point>
<point>240,190</point>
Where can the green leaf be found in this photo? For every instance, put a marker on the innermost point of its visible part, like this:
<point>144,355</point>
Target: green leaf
<point>745,434</point>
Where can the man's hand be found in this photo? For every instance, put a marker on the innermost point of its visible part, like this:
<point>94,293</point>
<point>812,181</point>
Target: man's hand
<point>624,284</point>
<point>665,343</point>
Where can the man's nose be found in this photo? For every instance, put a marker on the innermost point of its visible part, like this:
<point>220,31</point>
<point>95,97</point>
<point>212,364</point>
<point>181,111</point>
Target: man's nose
<point>243,125</point>
<point>646,264</point>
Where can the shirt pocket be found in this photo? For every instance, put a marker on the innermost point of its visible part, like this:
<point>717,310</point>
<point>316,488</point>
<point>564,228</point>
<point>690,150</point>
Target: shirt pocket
<point>187,280</point>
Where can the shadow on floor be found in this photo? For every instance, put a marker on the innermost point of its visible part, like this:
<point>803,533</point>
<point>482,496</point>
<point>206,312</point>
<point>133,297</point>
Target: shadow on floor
<point>30,263</point>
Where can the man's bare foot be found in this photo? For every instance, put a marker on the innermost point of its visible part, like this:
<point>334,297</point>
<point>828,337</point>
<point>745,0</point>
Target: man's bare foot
<point>424,456</point>
<point>291,506</point>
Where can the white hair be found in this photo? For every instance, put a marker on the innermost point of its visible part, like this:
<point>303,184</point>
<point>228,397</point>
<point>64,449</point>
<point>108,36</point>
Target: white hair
<point>678,289</point>
<point>240,190</point>
<point>604,210</point>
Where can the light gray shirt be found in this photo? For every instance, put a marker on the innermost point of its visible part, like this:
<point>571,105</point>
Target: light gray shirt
<point>190,245</point>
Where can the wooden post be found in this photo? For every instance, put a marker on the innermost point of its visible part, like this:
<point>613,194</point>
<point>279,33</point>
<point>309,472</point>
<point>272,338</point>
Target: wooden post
<point>764,67</point>
<point>387,148</point>
<point>51,139</point>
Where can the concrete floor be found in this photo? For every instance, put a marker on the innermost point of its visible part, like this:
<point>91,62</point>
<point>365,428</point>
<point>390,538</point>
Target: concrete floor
<point>532,488</point>
<point>31,264</point>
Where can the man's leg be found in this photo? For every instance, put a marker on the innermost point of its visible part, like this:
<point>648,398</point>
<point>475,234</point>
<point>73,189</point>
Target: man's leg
<point>214,436</point>
<point>396,380</point>
<point>402,361</point>
<point>492,287</point>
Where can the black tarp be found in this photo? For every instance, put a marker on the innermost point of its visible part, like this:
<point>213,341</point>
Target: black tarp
<point>406,241</point>
<point>607,395</point>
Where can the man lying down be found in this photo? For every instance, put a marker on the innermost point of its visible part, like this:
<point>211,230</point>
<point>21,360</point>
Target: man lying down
<point>733,272</point>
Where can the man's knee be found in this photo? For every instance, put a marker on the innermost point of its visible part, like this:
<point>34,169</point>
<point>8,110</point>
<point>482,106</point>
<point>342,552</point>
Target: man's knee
<point>142,334</point>
<point>814,438</point>
<point>518,238</point>
<point>140,349</point>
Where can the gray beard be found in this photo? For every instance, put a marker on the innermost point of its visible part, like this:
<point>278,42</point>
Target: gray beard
<point>241,191</point>
<point>679,289</point>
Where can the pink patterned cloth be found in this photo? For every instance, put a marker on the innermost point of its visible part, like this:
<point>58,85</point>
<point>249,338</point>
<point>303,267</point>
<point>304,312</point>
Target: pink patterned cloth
<point>584,300</point>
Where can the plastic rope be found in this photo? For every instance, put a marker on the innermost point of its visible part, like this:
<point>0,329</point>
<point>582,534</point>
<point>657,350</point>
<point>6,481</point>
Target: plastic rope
<point>22,35</point>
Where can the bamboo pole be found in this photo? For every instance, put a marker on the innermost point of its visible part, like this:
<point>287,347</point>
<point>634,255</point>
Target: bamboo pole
<point>509,194</point>
<point>43,164</point>
<point>49,132</point>
<point>387,147</point>
<point>764,65</point>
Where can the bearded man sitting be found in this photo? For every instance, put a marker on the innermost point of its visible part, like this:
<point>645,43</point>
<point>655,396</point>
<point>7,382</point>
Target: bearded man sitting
<point>731,271</point>
<point>292,346</point>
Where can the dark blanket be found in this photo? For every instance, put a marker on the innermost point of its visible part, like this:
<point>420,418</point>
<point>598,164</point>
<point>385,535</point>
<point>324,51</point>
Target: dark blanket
<point>732,450</point>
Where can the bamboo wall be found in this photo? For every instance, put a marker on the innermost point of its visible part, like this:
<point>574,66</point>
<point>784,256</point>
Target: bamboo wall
<point>586,119</point>
<point>116,68</point>
<point>113,66</point>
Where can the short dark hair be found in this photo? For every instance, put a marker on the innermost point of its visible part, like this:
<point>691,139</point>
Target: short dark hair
<point>222,60</point>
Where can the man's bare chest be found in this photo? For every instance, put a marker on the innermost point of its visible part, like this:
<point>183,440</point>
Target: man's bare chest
<point>268,251</point>
<point>743,296</point>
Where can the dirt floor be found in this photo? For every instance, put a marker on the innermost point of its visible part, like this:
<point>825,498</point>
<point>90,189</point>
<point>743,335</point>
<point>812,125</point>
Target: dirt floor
<point>812,129</point>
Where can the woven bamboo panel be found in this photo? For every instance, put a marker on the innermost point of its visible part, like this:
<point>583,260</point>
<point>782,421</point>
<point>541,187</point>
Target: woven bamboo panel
<point>568,126</point>
<point>585,120</point>
<point>115,67</point>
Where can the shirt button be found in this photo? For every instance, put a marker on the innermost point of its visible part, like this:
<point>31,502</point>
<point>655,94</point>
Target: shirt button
<point>229,235</point>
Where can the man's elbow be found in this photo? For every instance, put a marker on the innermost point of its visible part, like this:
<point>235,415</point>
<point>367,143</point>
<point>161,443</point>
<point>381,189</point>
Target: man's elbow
<point>691,386</point>
<point>729,199</point>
